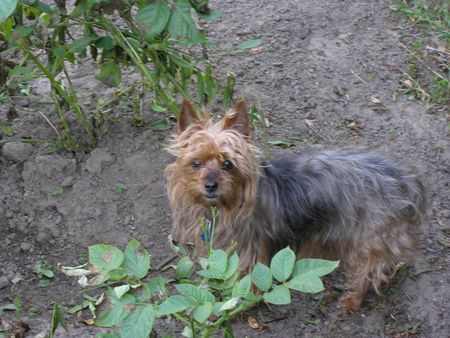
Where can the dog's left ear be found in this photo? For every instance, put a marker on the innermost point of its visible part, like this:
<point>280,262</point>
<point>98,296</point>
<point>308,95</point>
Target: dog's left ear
<point>238,120</point>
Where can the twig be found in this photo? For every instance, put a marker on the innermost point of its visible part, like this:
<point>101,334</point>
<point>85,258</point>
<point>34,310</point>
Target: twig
<point>326,140</point>
<point>167,261</point>
<point>358,77</point>
<point>419,88</point>
<point>418,58</point>
<point>438,51</point>
<point>51,124</point>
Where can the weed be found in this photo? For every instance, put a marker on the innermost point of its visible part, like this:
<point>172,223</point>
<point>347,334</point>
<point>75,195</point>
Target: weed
<point>427,71</point>
<point>204,299</point>
<point>424,13</point>
<point>152,36</point>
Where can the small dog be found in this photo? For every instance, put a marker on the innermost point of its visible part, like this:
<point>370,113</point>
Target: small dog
<point>357,207</point>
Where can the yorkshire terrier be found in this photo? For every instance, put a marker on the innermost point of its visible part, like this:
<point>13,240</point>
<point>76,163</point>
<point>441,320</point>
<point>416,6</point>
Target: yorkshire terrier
<point>358,207</point>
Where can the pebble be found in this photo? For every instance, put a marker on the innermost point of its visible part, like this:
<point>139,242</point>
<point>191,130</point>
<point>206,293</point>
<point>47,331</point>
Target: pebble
<point>4,282</point>
<point>17,151</point>
<point>25,246</point>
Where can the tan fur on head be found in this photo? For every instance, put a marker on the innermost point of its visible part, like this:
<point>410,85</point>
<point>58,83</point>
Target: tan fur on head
<point>210,144</point>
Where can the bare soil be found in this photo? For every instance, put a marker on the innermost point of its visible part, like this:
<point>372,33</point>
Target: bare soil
<point>328,74</point>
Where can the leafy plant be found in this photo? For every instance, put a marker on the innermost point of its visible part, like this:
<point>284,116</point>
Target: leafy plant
<point>161,39</point>
<point>204,301</point>
<point>44,272</point>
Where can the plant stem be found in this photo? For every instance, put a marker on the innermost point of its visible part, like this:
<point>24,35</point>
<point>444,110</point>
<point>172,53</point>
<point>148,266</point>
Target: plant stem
<point>123,42</point>
<point>61,91</point>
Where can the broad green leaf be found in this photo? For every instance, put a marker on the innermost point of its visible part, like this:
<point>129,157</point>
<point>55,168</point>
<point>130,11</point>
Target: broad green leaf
<point>242,288</point>
<point>79,45</point>
<point>248,44</point>
<point>110,74</point>
<point>233,265</point>
<point>105,42</point>
<point>137,260</point>
<point>217,261</point>
<point>139,323</point>
<point>157,284</point>
<point>202,312</point>
<point>309,284</point>
<point>7,8</point>
<point>314,267</point>
<point>174,304</point>
<point>195,293</point>
<point>262,277</point>
<point>160,125</point>
<point>105,257</point>
<point>57,319</point>
<point>154,17</point>
<point>115,310</point>
<point>282,264</point>
<point>230,304</point>
<point>185,267</point>
<point>280,295</point>
<point>181,23</point>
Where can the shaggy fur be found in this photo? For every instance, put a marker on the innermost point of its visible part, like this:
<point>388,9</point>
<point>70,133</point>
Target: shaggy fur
<point>358,207</point>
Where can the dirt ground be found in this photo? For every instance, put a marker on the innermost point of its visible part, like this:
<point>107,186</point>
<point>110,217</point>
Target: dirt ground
<point>328,74</point>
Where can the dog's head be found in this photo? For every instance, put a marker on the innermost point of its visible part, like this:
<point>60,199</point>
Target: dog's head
<point>216,162</point>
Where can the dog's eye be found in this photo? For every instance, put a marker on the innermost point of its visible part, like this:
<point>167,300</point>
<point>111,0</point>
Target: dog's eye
<point>227,165</point>
<point>196,165</point>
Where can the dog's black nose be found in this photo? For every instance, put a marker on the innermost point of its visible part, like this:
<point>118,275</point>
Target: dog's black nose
<point>211,185</point>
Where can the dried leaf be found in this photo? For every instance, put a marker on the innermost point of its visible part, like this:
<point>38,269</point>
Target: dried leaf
<point>375,100</point>
<point>408,84</point>
<point>253,323</point>
<point>309,123</point>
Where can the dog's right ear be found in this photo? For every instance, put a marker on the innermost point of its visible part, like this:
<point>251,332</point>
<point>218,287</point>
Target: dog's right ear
<point>187,116</point>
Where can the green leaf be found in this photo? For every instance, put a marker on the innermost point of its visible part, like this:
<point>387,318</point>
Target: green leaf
<point>308,284</point>
<point>185,268</point>
<point>7,8</point>
<point>105,42</point>
<point>107,335</point>
<point>139,323</point>
<point>160,125</point>
<point>283,143</point>
<point>174,304</point>
<point>248,44</point>
<point>280,295</point>
<point>157,108</point>
<point>314,267</point>
<point>181,23</point>
<point>217,261</point>
<point>282,264</point>
<point>115,311</point>
<point>43,283</point>
<point>262,277</point>
<point>154,17</point>
<point>233,265</point>
<point>110,74</point>
<point>137,260</point>
<point>105,257</point>
<point>57,319</point>
<point>195,293</point>
<point>157,284</point>
<point>202,312</point>
<point>79,45</point>
<point>58,191</point>
<point>242,288</point>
